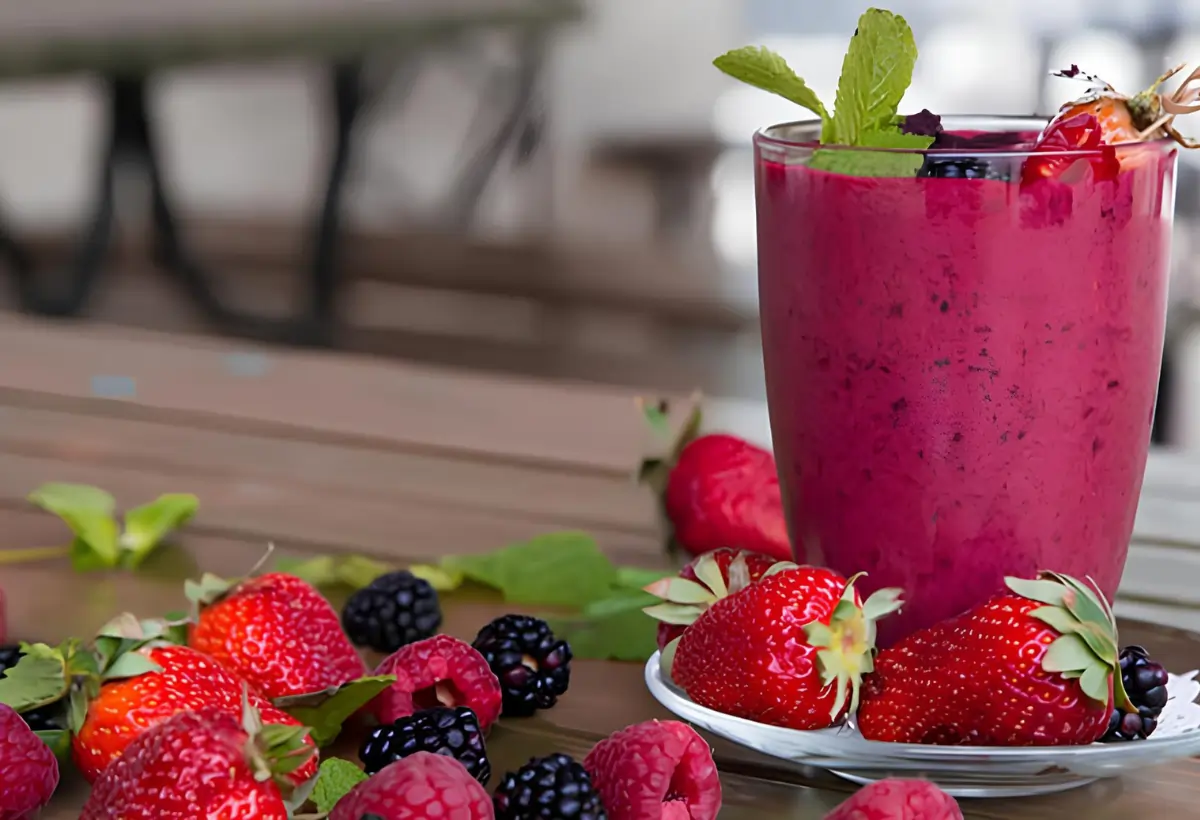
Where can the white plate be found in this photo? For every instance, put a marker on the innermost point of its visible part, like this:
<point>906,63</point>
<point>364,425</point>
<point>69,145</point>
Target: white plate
<point>961,771</point>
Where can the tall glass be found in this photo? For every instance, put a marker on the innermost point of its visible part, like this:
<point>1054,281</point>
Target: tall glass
<point>961,373</point>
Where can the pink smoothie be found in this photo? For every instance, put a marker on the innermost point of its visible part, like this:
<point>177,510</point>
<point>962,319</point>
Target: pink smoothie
<point>962,373</point>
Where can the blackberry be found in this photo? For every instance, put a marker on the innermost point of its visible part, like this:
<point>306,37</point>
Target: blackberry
<point>963,168</point>
<point>453,732</point>
<point>534,668</point>
<point>548,788</point>
<point>1146,684</point>
<point>44,718</point>
<point>393,611</point>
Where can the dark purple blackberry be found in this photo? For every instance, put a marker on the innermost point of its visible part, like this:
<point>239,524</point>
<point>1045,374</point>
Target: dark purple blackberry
<point>534,667</point>
<point>395,610</point>
<point>451,732</point>
<point>1146,684</point>
<point>938,167</point>
<point>44,718</point>
<point>548,788</point>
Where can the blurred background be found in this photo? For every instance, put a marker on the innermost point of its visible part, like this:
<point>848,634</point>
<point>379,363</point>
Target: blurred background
<point>535,187</point>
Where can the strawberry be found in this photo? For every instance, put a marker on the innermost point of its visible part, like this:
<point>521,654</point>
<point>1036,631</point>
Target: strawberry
<point>704,580</point>
<point>716,490</point>
<point>276,631</point>
<point>204,765</point>
<point>131,679</point>
<point>790,650</point>
<point>1034,666</point>
<point>1147,115</point>
<point>1067,141</point>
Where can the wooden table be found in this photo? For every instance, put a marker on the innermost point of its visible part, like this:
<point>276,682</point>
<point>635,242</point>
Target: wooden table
<point>320,452</point>
<point>128,43</point>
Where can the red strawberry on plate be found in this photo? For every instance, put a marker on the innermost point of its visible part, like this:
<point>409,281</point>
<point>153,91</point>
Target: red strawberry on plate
<point>276,631</point>
<point>716,490</point>
<point>438,671</point>
<point>704,580</point>
<point>1036,666</point>
<point>790,650</point>
<point>203,764</point>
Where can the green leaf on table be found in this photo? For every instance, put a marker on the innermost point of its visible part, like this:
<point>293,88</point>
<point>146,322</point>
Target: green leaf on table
<point>631,601</point>
<point>897,157</point>
<point>638,578</point>
<point>766,70</point>
<point>326,711</point>
<point>876,72</point>
<point>629,635</point>
<point>59,741</point>
<point>557,569</point>
<point>38,679</point>
<point>88,511</point>
<point>440,578</point>
<point>331,572</point>
<point>146,526</point>
<point>335,779</point>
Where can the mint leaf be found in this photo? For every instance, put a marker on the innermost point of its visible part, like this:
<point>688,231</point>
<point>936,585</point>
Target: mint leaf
<point>557,569</point>
<point>146,526</point>
<point>637,578</point>
<point>629,635</point>
<point>876,72</point>
<point>762,68</point>
<point>88,511</point>
<point>39,678</point>
<point>335,779</point>
<point>325,712</point>
<point>859,161</point>
<point>440,578</point>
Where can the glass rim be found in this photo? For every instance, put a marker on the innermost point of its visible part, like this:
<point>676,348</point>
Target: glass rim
<point>769,135</point>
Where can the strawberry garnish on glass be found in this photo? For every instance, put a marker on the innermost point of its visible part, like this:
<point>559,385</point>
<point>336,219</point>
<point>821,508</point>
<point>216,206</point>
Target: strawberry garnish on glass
<point>1103,118</point>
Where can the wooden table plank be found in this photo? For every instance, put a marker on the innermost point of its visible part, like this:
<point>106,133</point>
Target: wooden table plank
<point>331,396</point>
<point>185,447</point>
<point>53,36</point>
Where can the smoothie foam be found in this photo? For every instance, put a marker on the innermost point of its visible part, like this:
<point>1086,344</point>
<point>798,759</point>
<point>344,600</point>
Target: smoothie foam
<point>962,373</point>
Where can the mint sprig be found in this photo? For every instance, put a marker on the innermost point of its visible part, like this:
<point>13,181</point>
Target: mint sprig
<point>100,542</point>
<point>876,72</point>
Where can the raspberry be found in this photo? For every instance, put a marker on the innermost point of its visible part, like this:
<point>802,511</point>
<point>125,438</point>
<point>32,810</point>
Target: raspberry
<point>438,671</point>
<point>44,718</point>
<point>452,732</point>
<point>898,800</point>
<point>418,787</point>
<point>548,788</point>
<point>533,667</point>
<point>28,769</point>
<point>395,610</point>
<point>643,769</point>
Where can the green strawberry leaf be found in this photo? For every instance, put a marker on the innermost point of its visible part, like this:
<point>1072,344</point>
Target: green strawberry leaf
<point>88,511</point>
<point>38,679</point>
<point>326,711</point>
<point>146,526</point>
<point>876,72</point>
<point>59,741</point>
<point>624,636</point>
<point>130,665</point>
<point>557,569</point>
<point>766,70</point>
<point>209,589</point>
<point>336,779</point>
<point>897,156</point>
<point>1068,653</point>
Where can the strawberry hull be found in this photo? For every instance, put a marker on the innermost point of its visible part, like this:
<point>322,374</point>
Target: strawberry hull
<point>961,373</point>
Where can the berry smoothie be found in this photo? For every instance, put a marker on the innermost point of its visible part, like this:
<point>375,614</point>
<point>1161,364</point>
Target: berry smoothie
<point>961,369</point>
